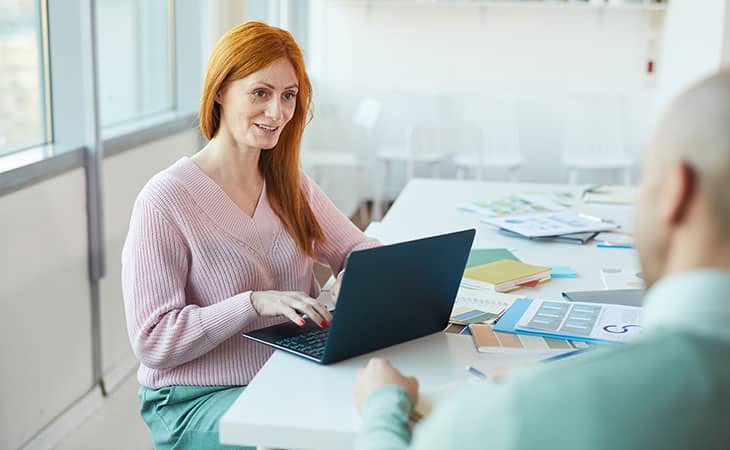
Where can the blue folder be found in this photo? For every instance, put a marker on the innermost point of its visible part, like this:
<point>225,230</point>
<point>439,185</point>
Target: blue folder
<point>508,323</point>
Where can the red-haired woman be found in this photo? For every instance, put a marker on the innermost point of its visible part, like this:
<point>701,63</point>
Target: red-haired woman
<point>224,241</point>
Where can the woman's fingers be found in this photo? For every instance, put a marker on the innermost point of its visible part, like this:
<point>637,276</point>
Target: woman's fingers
<point>322,310</point>
<point>309,306</point>
<point>292,315</point>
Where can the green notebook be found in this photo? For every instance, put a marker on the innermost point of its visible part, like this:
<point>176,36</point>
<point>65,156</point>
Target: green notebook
<point>480,256</point>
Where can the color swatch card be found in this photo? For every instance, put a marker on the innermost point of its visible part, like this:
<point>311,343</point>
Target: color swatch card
<point>467,316</point>
<point>550,224</point>
<point>504,276</point>
<point>486,340</point>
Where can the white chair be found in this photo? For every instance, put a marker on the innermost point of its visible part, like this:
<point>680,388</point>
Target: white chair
<point>593,138</point>
<point>494,145</point>
<point>423,147</point>
<point>351,154</point>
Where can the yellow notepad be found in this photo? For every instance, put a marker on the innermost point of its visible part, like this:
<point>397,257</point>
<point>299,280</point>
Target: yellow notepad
<point>506,274</point>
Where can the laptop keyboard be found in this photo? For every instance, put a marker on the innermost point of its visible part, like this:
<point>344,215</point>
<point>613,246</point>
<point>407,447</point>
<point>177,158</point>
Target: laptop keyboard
<point>311,343</point>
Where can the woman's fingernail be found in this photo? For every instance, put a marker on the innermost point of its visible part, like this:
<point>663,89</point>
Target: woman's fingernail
<point>301,323</point>
<point>323,324</point>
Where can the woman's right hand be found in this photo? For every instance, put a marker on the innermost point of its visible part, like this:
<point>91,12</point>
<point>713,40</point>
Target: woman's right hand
<point>292,305</point>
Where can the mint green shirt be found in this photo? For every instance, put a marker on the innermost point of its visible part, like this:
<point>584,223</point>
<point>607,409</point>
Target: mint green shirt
<point>669,389</point>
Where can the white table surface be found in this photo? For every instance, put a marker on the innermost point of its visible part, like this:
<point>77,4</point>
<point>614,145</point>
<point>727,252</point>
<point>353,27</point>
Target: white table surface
<point>294,403</point>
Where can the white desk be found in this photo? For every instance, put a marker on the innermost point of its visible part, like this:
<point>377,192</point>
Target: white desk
<point>294,403</point>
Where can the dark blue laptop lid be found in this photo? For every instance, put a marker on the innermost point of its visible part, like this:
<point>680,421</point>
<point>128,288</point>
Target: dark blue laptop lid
<point>395,293</point>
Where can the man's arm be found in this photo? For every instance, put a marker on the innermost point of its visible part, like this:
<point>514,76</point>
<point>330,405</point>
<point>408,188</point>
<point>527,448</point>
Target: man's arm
<point>385,415</point>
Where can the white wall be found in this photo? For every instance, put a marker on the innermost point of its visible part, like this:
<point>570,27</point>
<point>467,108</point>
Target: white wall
<point>536,58</point>
<point>695,35</point>
<point>44,290</point>
<point>46,321</point>
<point>726,59</point>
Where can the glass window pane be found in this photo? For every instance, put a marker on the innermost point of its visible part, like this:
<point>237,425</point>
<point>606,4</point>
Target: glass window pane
<point>21,89</point>
<point>134,59</point>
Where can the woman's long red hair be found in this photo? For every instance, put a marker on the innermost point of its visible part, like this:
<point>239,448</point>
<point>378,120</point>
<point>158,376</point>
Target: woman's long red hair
<point>242,51</point>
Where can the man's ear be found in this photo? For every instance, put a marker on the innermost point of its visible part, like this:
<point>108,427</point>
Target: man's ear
<point>681,191</point>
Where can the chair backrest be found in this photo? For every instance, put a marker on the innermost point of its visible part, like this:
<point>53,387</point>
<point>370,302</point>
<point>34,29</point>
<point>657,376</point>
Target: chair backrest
<point>501,136</point>
<point>593,126</point>
<point>367,113</point>
<point>496,117</point>
<point>424,137</point>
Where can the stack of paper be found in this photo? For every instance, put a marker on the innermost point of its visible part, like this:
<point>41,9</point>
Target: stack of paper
<point>518,204</point>
<point>479,256</point>
<point>550,224</point>
<point>504,276</point>
<point>612,195</point>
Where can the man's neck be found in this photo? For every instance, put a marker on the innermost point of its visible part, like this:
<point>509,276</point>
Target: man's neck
<point>695,250</point>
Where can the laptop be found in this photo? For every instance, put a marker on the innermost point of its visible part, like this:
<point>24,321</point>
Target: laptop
<point>389,295</point>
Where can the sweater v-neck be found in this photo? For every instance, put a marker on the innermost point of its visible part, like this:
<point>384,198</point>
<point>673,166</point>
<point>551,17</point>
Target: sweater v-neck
<point>221,209</point>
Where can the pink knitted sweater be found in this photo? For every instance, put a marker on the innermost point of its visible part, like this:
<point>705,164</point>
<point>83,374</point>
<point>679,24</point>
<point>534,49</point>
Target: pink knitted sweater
<point>189,265</point>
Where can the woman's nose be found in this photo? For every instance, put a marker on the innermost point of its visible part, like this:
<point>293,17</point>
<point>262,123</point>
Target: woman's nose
<point>273,111</point>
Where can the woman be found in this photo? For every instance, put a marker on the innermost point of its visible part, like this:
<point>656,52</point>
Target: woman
<point>224,242</point>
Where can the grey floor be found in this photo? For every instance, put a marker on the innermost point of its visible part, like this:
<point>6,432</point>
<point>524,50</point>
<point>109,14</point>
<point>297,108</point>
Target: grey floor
<point>117,425</point>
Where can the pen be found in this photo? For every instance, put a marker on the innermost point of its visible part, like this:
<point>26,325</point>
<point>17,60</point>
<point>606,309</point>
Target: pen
<point>564,355</point>
<point>607,245</point>
<point>476,372</point>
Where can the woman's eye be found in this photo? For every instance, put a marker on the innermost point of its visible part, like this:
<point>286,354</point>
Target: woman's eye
<point>290,95</point>
<point>259,93</point>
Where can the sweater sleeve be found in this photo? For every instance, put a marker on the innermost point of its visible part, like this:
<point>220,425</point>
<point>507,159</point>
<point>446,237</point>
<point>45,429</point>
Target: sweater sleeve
<point>341,236</point>
<point>473,417</point>
<point>165,331</point>
<point>385,416</point>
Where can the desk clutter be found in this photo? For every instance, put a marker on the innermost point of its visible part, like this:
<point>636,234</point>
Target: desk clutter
<point>505,275</point>
<point>549,218</point>
<point>506,323</point>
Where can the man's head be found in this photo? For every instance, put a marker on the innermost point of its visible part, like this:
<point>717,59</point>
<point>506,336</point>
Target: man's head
<point>683,203</point>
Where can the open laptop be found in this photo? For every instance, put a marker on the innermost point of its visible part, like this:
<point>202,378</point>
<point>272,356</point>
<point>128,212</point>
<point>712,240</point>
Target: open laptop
<point>389,295</point>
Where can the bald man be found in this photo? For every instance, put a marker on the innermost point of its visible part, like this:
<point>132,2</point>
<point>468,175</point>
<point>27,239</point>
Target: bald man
<point>668,390</point>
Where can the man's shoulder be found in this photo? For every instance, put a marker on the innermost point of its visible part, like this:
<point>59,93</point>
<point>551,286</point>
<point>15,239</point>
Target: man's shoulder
<point>629,394</point>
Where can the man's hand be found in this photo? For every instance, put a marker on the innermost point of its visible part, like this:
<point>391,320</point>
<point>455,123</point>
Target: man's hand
<point>379,372</point>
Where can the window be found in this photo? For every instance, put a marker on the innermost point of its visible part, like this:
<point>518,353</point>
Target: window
<point>23,115</point>
<point>134,59</point>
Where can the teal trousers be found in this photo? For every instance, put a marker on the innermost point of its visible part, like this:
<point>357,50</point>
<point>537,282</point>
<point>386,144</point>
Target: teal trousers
<point>186,417</point>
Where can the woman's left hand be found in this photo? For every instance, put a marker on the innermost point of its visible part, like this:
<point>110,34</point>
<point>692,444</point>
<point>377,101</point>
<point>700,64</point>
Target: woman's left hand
<point>335,289</point>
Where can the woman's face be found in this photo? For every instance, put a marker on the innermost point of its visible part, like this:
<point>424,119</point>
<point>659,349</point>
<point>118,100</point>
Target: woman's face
<point>256,108</point>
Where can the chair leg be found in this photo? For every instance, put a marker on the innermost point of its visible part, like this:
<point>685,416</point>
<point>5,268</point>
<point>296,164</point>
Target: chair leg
<point>382,192</point>
<point>435,173</point>
<point>410,169</point>
<point>573,176</point>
